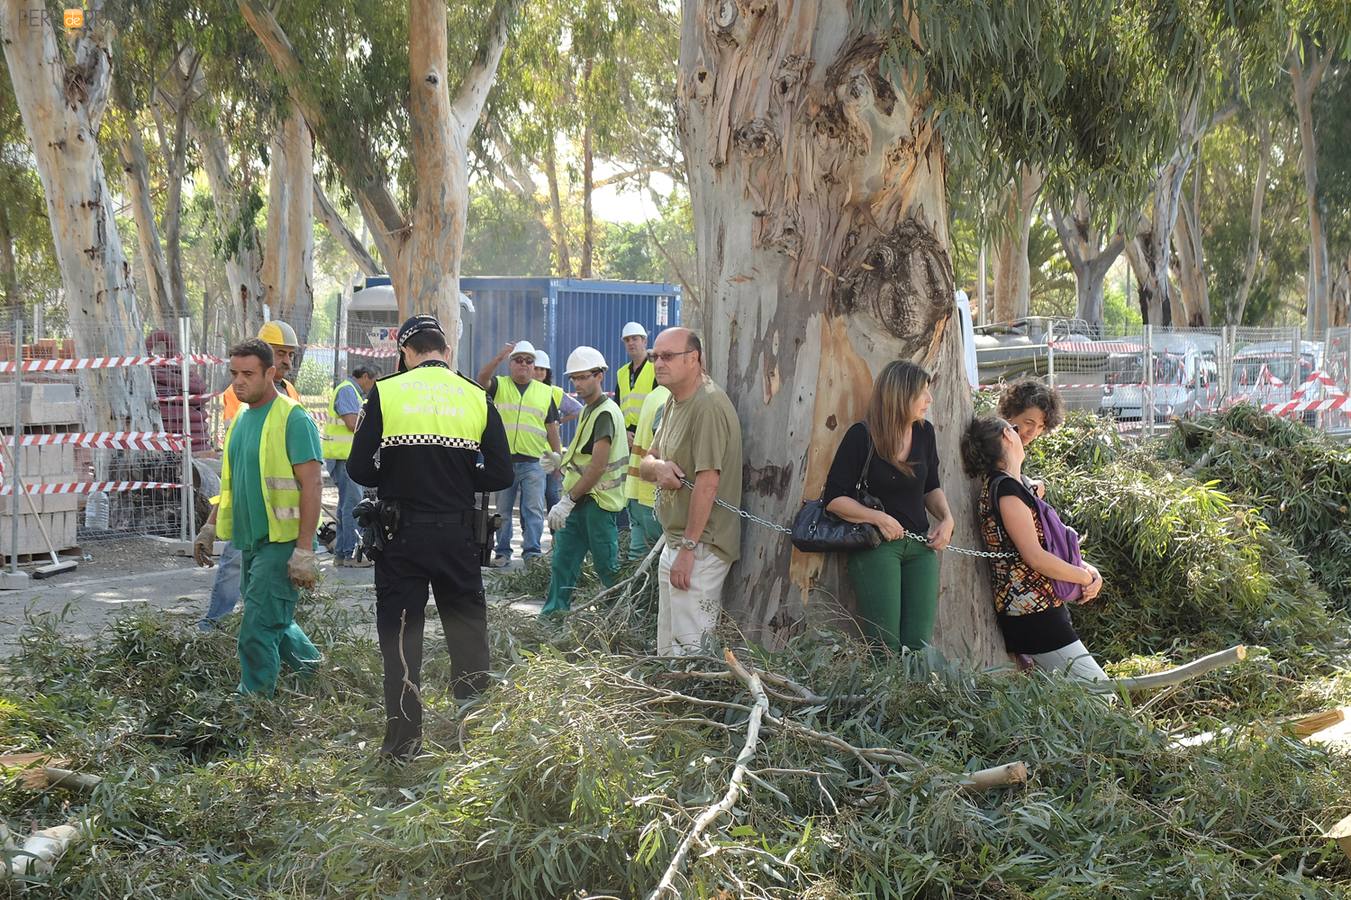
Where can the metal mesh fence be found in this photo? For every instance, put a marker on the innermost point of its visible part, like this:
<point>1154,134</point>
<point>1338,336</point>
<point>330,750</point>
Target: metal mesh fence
<point>1144,379</point>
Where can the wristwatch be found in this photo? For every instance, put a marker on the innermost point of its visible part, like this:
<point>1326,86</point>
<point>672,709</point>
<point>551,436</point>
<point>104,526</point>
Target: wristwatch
<point>686,543</point>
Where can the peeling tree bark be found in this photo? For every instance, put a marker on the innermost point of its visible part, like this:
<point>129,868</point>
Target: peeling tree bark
<point>1089,257</point>
<point>821,225</point>
<point>62,105</point>
<point>288,255</point>
<point>1012,272</point>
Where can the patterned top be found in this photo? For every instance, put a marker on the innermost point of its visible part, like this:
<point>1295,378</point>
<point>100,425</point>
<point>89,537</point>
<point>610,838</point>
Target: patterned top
<point>1019,589</point>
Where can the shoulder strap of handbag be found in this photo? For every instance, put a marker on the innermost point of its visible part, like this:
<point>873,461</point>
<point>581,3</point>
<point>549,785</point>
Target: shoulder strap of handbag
<point>994,503</point>
<point>862,482</point>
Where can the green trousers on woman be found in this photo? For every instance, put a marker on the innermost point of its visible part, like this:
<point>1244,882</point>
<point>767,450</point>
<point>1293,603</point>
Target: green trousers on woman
<point>896,588</point>
<point>268,634</point>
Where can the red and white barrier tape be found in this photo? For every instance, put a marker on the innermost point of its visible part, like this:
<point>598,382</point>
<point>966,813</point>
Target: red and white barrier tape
<point>1293,406</point>
<point>107,362</point>
<point>120,440</point>
<point>1323,379</point>
<point>89,487</point>
<point>178,398</point>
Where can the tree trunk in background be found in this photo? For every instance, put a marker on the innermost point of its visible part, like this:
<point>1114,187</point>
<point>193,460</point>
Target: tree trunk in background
<point>137,171</point>
<point>1238,304</point>
<point>1152,292</point>
<point>560,231</point>
<point>821,225</point>
<point>329,216</point>
<point>9,271</point>
<point>588,187</point>
<point>1088,256</point>
<point>235,211</point>
<point>1306,73</point>
<point>288,260</point>
<point>174,146</point>
<point>62,107</point>
<point>1191,259</point>
<point>1339,299</point>
<point>1012,274</point>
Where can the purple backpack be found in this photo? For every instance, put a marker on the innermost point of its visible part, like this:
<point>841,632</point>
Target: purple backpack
<point>1060,540</point>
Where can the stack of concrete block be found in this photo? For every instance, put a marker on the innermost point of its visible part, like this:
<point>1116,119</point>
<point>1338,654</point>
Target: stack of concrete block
<point>45,408</point>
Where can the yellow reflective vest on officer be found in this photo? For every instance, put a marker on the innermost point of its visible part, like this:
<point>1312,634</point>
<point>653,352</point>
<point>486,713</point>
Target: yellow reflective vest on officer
<point>609,491</point>
<point>281,491</point>
<point>431,405</point>
<point>632,392</point>
<point>337,437</point>
<point>645,492</point>
<point>524,419</point>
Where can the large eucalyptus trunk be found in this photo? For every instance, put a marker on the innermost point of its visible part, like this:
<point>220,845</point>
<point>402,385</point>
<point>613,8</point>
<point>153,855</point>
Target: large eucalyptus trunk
<point>232,191</point>
<point>1089,257</point>
<point>62,105</point>
<point>1238,303</point>
<point>821,226</point>
<point>288,260</point>
<point>1012,269</point>
<point>1149,261</point>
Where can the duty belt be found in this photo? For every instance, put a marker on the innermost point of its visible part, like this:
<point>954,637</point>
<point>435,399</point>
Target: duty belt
<point>465,518</point>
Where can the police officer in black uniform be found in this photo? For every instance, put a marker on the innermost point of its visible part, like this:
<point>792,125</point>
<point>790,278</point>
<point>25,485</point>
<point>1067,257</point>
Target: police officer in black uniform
<point>428,439</point>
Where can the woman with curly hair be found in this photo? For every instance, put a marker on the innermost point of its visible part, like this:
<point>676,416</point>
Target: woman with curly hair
<point>1033,408</point>
<point>1033,617</point>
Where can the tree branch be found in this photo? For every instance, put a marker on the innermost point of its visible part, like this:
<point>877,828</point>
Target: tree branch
<point>327,214</point>
<point>618,177</point>
<point>360,171</point>
<point>478,81</point>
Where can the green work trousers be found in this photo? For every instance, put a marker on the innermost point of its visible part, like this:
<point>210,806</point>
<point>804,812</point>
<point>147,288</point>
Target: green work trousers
<point>268,634</point>
<point>644,529</point>
<point>588,529</point>
<point>896,587</point>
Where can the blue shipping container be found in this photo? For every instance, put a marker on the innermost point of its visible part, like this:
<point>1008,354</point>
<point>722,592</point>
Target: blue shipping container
<point>560,314</point>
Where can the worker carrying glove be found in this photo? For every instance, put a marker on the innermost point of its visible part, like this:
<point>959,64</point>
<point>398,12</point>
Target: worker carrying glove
<point>558,516</point>
<point>204,544</point>
<point>303,568</point>
<point>550,461</point>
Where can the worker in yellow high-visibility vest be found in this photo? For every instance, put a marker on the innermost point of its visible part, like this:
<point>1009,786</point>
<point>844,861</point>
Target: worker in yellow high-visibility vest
<point>635,378</point>
<point>530,417</point>
<point>344,406</point>
<point>270,489</point>
<point>644,529</point>
<point>584,521</point>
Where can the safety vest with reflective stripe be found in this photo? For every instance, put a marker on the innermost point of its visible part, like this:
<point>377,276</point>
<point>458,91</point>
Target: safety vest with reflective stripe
<point>524,418</point>
<point>281,491</point>
<point>633,392</point>
<point>645,492</point>
<point>609,491</point>
<point>431,405</point>
<point>337,438</point>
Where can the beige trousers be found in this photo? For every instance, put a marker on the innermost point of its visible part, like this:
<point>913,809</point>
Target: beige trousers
<point>684,618</point>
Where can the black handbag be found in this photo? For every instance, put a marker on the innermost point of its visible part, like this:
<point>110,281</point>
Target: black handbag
<point>817,531</point>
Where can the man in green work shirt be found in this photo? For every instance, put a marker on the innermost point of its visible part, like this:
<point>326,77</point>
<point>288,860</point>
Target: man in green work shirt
<point>270,487</point>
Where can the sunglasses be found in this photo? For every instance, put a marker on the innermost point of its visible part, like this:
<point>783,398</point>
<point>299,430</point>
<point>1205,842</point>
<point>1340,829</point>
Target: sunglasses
<point>523,360</point>
<point>668,357</point>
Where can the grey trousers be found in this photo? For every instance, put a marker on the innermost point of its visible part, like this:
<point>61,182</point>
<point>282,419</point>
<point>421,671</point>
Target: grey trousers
<point>1072,659</point>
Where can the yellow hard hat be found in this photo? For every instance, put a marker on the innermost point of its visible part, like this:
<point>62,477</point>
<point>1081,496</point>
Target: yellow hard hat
<point>278,334</point>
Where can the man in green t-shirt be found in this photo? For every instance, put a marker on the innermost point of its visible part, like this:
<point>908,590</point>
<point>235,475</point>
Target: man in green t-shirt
<point>700,441</point>
<point>269,507</point>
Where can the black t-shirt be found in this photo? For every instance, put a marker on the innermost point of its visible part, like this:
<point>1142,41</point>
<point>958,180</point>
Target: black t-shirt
<point>1038,632</point>
<point>901,495</point>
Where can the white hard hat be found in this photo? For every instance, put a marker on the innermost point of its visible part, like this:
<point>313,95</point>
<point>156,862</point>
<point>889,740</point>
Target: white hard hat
<point>584,359</point>
<point>633,329</point>
<point>542,360</point>
<point>525,348</point>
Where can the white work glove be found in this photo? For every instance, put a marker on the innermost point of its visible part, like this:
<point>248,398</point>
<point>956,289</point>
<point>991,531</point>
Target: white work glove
<point>550,461</point>
<point>204,544</point>
<point>558,516</point>
<point>303,568</point>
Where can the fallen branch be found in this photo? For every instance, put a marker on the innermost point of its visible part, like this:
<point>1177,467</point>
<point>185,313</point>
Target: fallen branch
<point>998,776</point>
<point>652,554</point>
<point>41,778</point>
<point>1171,676</point>
<point>39,853</point>
<point>666,886</point>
